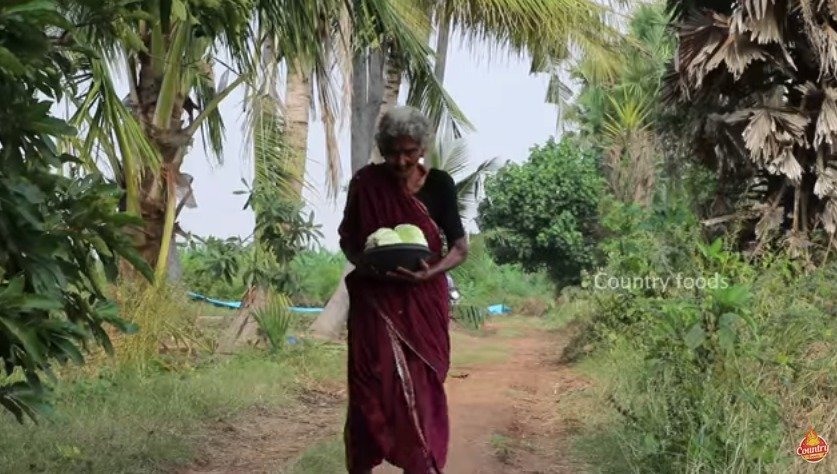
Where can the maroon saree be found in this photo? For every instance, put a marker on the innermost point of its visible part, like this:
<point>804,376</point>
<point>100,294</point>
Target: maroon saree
<point>399,347</point>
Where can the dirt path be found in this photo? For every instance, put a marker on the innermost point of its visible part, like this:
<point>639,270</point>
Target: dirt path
<point>503,394</point>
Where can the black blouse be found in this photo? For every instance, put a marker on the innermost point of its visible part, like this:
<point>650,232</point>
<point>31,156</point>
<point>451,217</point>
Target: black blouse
<point>439,196</point>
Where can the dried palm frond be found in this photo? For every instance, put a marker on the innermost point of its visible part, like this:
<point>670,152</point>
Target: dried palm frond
<point>829,217</point>
<point>770,220</point>
<point>821,37</point>
<point>772,135</point>
<point>758,79</point>
<point>759,18</point>
<point>825,131</point>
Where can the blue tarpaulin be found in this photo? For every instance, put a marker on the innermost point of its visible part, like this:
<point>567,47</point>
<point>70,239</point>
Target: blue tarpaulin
<point>493,309</point>
<point>499,309</point>
<point>237,304</point>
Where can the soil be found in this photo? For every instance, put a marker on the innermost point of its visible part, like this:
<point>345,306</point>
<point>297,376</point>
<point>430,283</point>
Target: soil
<point>504,416</point>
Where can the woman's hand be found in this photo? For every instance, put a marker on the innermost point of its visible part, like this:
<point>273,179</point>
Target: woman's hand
<point>426,272</point>
<point>366,269</point>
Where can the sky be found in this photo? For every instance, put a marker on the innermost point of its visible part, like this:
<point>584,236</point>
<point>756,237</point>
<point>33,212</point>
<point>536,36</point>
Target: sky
<point>497,94</point>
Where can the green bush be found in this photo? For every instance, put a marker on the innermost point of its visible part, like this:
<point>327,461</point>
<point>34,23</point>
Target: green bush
<point>213,267</point>
<point>719,379</point>
<point>274,321</point>
<point>543,214</point>
<point>482,282</point>
<point>61,235</point>
<point>315,275</point>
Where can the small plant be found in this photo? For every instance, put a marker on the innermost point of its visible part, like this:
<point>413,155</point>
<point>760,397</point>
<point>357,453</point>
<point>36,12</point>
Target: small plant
<point>501,445</point>
<point>166,324</point>
<point>274,321</point>
<point>471,317</point>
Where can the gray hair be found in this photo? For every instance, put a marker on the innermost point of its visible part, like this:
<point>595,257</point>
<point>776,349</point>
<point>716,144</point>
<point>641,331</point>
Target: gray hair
<point>400,122</point>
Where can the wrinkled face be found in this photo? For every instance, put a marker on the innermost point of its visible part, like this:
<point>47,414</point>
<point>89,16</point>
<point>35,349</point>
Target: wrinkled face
<point>403,155</point>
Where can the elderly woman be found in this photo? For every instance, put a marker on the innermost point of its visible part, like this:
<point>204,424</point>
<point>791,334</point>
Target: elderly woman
<point>399,347</point>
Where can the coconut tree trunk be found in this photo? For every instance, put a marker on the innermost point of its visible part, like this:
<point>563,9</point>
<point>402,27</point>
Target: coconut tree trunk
<point>244,330</point>
<point>367,99</point>
<point>160,109</point>
<point>298,99</point>
<point>368,91</point>
<point>393,75</point>
<point>442,44</point>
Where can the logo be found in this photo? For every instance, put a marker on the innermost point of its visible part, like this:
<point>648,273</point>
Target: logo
<point>813,447</point>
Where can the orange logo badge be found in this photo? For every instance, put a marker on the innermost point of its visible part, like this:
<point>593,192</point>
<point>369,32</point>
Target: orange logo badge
<point>813,447</point>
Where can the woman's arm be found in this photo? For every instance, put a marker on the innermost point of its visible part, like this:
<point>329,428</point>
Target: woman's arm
<point>451,224</point>
<point>349,226</point>
<point>457,254</point>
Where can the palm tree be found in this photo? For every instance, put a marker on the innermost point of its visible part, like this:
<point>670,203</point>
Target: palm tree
<point>756,81</point>
<point>168,52</point>
<point>618,106</point>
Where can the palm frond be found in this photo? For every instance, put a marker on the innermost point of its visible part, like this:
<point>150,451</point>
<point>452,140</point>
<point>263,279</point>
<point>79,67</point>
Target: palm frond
<point>469,188</point>
<point>451,156</point>
<point>544,28</point>
<point>333,162</point>
<point>408,27</point>
<point>110,119</point>
<point>271,155</point>
<point>206,94</point>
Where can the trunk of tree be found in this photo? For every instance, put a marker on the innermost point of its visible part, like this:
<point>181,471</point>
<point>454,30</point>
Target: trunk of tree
<point>330,323</point>
<point>298,101</point>
<point>175,272</point>
<point>393,74</point>
<point>367,99</point>
<point>442,45</point>
<point>244,330</point>
<point>154,186</point>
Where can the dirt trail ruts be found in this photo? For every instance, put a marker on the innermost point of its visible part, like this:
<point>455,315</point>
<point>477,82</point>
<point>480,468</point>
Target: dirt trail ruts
<point>504,416</point>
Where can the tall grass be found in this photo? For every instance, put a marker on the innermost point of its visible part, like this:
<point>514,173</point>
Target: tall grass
<point>122,421</point>
<point>482,282</point>
<point>715,379</point>
<point>166,322</point>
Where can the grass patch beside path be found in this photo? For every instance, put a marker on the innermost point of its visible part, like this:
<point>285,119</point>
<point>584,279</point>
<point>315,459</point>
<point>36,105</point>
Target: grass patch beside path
<point>468,350</point>
<point>324,458</point>
<point>121,422</point>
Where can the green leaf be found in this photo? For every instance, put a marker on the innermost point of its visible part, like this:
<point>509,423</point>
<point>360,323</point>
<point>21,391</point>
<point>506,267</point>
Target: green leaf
<point>40,302</point>
<point>32,5</point>
<point>27,338</point>
<point>53,126</point>
<point>10,62</point>
<point>736,296</point>
<point>695,337</point>
<point>70,349</point>
<point>728,319</point>
<point>178,10</point>
<point>13,290</point>
<point>726,338</point>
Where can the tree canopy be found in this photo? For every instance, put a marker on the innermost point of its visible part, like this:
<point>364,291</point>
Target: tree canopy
<point>61,235</point>
<point>543,213</point>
